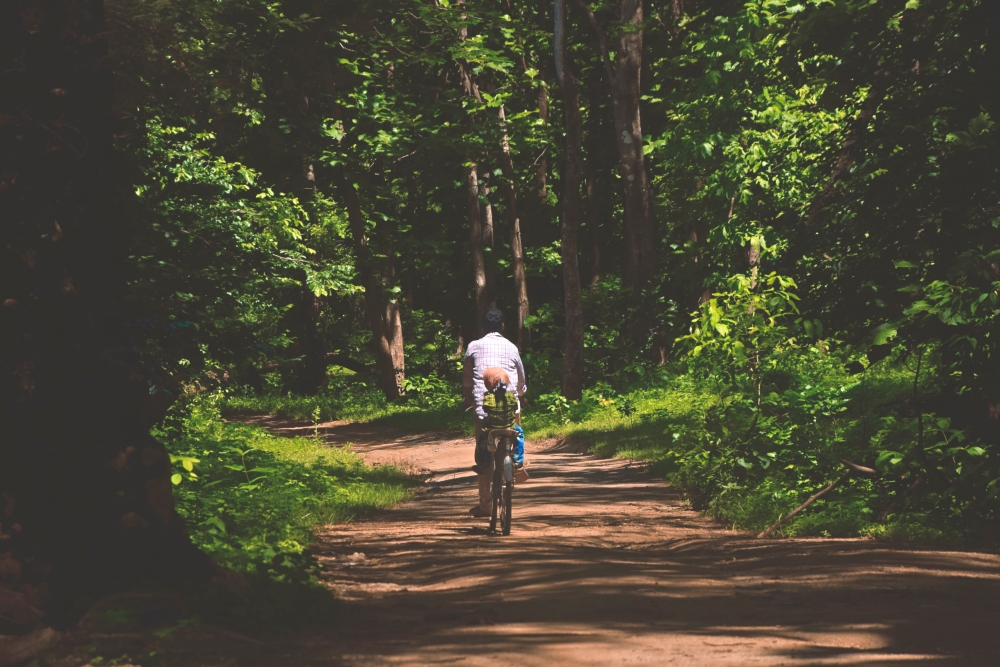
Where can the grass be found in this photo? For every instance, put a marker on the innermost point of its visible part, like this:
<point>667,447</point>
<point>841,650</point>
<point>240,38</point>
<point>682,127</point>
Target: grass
<point>673,425</point>
<point>252,500</point>
<point>351,399</point>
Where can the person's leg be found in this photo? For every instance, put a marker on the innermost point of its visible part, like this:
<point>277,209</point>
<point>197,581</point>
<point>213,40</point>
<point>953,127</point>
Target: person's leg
<point>518,453</point>
<point>484,472</point>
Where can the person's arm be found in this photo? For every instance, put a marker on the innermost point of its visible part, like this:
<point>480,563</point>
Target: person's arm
<point>468,400</point>
<point>522,382</point>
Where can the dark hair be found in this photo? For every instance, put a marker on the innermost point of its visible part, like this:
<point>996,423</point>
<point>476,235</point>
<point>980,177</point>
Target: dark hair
<point>492,320</point>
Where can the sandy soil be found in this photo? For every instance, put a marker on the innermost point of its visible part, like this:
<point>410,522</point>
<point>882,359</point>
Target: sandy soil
<point>605,565</point>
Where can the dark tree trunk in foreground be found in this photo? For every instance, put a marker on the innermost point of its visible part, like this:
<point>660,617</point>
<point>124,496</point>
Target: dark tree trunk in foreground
<point>87,503</point>
<point>382,313</point>
<point>572,375</point>
<point>516,248</point>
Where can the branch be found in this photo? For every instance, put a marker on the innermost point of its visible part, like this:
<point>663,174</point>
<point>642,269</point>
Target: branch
<point>602,41</point>
<point>864,470</point>
<point>813,498</point>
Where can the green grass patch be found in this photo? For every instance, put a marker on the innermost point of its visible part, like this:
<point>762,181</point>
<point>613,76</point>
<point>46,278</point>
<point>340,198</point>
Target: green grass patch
<point>350,399</point>
<point>252,500</point>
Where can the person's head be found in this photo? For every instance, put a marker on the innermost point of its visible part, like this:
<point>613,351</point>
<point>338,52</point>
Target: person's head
<point>494,376</point>
<point>493,321</point>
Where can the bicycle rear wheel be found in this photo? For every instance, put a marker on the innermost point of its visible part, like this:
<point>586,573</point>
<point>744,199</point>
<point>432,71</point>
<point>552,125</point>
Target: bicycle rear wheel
<point>495,494</point>
<point>505,508</point>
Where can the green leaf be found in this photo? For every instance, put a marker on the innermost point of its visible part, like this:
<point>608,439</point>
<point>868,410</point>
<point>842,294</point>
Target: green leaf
<point>176,478</point>
<point>884,333</point>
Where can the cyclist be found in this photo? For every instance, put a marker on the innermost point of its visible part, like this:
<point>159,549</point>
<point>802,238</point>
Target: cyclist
<point>492,350</point>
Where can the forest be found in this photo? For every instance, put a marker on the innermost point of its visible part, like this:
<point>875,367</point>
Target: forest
<point>753,245</point>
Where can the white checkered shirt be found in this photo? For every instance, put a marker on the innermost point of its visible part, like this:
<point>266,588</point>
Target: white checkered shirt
<point>489,351</point>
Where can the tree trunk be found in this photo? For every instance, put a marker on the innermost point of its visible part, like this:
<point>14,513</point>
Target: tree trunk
<point>479,296</point>
<point>572,375</point>
<point>594,203</point>
<point>542,170</point>
<point>392,321</point>
<point>487,225</point>
<point>623,77</point>
<point>382,316</point>
<point>516,249</point>
<point>310,377</point>
<point>87,487</point>
<point>640,261</point>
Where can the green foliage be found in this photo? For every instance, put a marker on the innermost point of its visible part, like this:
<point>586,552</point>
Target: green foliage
<point>859,138</point>
<point>252,500</point>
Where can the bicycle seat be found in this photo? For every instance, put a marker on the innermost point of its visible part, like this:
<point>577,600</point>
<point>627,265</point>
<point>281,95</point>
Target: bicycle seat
<point>497,434</point>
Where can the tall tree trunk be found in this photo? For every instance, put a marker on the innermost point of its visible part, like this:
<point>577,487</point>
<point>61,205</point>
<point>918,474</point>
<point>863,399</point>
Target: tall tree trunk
<point>594,202</point>
<point>542,170</point>
<point>86,485</point>
<point>310,377</point>
<point>392,322</point>
<point>640,261</point>
<point>516,248</point>
<point>623,78</point>
<point>572,375</point>
<point>479,295</point>
<point>383,316</point>
<point>487,225</point>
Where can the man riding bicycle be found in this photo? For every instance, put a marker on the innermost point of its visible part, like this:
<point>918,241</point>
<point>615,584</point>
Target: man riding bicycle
<point>492,351</point>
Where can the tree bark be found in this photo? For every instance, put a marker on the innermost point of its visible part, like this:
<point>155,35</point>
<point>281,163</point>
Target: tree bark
<point>311,376</point>
<point>594,202</point>
<point>516,248</point>
<point>623,78</point>
<point>640,261</point>
<point>542,170</point>
<point>87,487</point>
<point>479,296</point>
<point>383,316</point>
<point>487,222</point>
<point>392,318</point>
<point>572,374</point>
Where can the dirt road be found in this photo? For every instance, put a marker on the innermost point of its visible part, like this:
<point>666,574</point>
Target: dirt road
<point>606,566</point>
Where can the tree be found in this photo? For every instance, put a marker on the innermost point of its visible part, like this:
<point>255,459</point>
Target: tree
<point>381,311</point>
<point>572,374</point>
<point>623,80</point>
<point>88,492</point>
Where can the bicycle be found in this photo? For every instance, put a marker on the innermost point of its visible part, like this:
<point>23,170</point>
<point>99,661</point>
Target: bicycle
<point>500,443</point>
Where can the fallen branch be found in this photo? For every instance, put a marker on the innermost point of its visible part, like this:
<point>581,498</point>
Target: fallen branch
<point>813,498</point>
<point>864,470</point>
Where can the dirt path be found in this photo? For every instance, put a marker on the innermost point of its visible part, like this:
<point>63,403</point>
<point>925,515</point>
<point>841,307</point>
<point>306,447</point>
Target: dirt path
<point>606,566</point>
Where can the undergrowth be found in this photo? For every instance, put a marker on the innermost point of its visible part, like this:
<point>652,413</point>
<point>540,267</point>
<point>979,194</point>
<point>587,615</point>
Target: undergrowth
<point>747,447</point>
<point>252,501</point>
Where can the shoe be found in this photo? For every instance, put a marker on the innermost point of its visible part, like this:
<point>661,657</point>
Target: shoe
<point>478,512</point>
